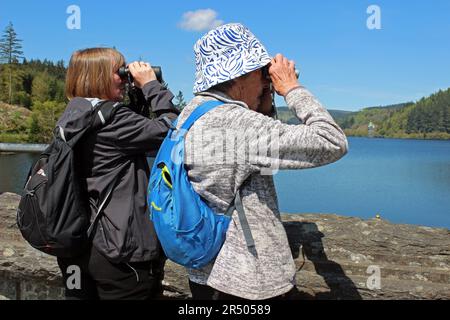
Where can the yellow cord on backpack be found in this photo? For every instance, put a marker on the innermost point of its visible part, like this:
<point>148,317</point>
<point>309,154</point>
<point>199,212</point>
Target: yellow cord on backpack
<point>163,173</point>
<point>156,207</point>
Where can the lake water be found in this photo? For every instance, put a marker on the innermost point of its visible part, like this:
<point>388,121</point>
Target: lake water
<point>405,181</point>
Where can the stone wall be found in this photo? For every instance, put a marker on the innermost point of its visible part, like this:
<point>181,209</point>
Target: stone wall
<point>337,258</point>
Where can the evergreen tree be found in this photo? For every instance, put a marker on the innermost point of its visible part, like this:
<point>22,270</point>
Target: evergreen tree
<point>179,101</point>
<point>10,53</point>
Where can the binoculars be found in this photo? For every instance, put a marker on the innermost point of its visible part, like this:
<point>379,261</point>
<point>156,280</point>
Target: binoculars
<point>266,75</point>
<point>265,72</point>
<point>124,73</point>
<point>137,101</point>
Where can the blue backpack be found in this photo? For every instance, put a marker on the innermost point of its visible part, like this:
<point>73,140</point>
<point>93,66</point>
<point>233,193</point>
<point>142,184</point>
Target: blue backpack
<point>191,234</point>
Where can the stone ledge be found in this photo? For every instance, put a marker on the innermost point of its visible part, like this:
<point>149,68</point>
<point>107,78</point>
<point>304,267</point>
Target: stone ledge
<point>335,257</point>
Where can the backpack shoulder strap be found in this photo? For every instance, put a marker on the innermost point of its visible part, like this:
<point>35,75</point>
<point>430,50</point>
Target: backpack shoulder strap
<point>236,204</point>
<point>103,113</point>
<point>200,111</point>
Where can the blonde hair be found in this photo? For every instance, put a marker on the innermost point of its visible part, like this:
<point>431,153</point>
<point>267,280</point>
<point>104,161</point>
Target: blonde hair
<point>90,72</point>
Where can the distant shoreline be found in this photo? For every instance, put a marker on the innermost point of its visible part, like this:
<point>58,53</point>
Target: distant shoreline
<point>401,138</point>
<point>11,140</point>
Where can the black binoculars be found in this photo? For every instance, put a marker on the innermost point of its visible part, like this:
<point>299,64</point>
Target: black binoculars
<point>124,73</point>
<point>265,71</point>
<point>137,100</point>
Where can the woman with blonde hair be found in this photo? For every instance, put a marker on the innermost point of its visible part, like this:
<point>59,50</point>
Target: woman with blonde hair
<point>125,260</point>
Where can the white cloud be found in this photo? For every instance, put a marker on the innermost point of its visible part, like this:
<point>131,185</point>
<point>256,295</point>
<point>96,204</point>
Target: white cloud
<point>200,20</point>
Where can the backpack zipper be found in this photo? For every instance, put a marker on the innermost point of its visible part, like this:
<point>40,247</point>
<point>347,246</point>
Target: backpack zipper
<point>135,272</point>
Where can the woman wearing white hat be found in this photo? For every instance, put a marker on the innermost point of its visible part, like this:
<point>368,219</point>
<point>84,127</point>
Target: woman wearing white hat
<point>232,67</point>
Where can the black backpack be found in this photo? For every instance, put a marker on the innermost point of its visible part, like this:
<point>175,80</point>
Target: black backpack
<point>53,213</point>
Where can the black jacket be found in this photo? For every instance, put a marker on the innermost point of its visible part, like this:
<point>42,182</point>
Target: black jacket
<point>124,232</point>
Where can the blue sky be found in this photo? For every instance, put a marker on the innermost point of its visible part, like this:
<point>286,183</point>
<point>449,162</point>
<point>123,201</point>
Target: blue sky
<point>346,65</point>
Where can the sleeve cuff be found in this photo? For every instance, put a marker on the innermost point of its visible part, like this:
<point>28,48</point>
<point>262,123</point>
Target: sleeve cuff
<point>294,88</point>
<point>160,98</point>
<point>292,92</point>
<point>151,88</point>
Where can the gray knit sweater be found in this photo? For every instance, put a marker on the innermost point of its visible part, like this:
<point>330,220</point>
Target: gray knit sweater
<point>233,147</point>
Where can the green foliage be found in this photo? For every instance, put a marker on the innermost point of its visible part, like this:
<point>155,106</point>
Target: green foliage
<point>36,85</point>
<point>10,47</point>
<point>348,123</point>
<point>180,103</point>
<point>13,137</point>
<point>431,114</point>
<point>56,70</point>
<point>43,120</point>
<point>42,87</point>
<point>13,123</point>
<point>426,119</point>
<point>10,53</point>
<point>429,118</point>
<point>22,98</point>
<point>33,80</point>
<point>10,82</point>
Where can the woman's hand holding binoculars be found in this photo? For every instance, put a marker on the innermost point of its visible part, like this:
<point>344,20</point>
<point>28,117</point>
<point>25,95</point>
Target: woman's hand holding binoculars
<point>283,75</point>
<point>142,73</point>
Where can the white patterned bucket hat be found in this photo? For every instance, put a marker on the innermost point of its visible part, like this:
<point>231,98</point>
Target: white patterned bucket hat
<point>225,53</point>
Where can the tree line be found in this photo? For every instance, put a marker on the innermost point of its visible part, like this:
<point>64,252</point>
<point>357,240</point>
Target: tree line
<point>35,85</point>
<point>430,114</point>
<point>428,118</point>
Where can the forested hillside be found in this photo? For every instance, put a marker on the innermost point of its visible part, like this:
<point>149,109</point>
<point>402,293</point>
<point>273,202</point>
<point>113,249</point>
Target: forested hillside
<point>38,87</point>
<point>428,118</point>
<point>31,93</point>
